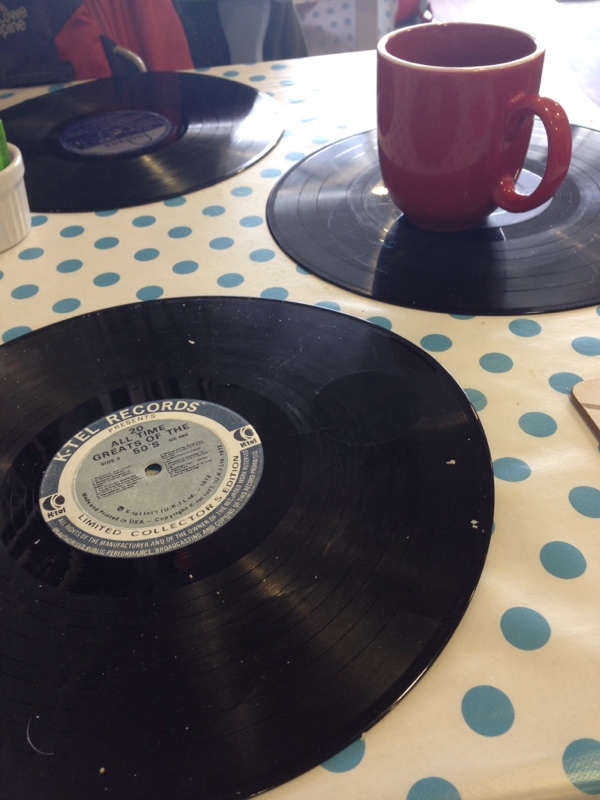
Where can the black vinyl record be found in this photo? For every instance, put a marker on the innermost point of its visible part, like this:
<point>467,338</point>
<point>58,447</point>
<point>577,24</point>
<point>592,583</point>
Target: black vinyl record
<point>220,666</point>
<point>332,214</point>
<point>119,142</point>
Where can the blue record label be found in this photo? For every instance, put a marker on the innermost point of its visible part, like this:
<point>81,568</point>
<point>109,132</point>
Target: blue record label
<point>151,478</point>
<point>115,133</point>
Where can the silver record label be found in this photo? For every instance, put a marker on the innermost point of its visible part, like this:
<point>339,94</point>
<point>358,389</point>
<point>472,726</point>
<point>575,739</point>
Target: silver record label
<point>116,132</point>
<point>151,478</point>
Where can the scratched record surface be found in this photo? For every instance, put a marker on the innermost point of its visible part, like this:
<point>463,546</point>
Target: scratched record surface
<point>118,142</point>
<point>234,533</point>
<point>332,215</point>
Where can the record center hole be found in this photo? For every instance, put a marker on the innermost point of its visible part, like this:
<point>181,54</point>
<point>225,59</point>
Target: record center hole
<point>153,469</point>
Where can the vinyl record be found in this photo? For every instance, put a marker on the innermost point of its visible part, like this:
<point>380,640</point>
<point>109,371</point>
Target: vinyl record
<point>331,213</point>
<point>235,533</point>
<point>119,142</point>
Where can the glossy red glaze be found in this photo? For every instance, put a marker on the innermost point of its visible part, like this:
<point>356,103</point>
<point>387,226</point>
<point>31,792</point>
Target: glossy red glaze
<point>456,103</point>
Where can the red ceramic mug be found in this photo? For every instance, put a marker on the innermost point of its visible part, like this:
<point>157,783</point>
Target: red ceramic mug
<point>455,109</point>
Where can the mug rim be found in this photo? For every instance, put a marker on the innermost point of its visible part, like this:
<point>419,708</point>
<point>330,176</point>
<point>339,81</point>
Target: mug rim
<point>382,51</point>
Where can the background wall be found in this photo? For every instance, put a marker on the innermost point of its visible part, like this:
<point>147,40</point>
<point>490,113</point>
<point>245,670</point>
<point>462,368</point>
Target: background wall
<point>339,26</point>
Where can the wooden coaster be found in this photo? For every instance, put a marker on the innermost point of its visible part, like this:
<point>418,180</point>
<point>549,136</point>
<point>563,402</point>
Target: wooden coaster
<point>587,397</point>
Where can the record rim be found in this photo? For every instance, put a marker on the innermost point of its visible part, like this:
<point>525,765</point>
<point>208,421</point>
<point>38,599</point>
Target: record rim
<point>392,696</point>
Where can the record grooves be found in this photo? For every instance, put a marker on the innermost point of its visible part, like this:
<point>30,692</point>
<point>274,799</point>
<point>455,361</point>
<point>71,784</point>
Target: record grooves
<point>332,215</point>
<point>119,142</point>
<point>227,665</point>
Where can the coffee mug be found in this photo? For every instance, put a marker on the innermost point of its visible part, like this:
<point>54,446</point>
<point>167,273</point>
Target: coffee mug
<point>455,108</point>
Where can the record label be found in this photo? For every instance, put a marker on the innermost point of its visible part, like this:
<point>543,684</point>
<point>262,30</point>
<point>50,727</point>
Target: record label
<point>151,478</point>
<point>116,133</point>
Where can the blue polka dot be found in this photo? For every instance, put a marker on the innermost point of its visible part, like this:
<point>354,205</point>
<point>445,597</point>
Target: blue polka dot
<point>271,173</point>
<point>144,221</point>
<point>433,789</point>
<point>320,139</point>
<point>275,293</point>
<point>185,267</point>
<point>70,265</point>
<point>462,316</point>
<point>329,304</point>
<point>38,219</point>
<point>477,398</point>
<point>262,255</point>
<point>71,231</point>
<point>14,333</point>
<point>106,243</point>
<point>525,327</point>
<point>488,711</point>
<point>6,95</point>
<point>251,222</point>
<point>242,191</point>
<point>587,346</point>
<point>180,232</point>
<point>231,73</point>
<point>581,763</point>
<point>221,243</point>
<point>279,66</point>
<point>108,213</point>
<point>176,201</point>
<point>537,424</point>
<point>231,280</point>
<point>147,254</point>
<point>563,560</point>
<point>525,629</point>
<point>511,469</point>
<point>257,78</point>
<point>382,322</point>
<point>496,362</point>
<point>287,82</point>
<point>25,292</point>
<point>586,500</point>
<point>295,156</point>
<point>213,211</point>
<point>564,382</point>
<point>436,343</point>
<point>66,306</point>
<point>348,759</point>
<point>150,293</point>
<point>107,279</point>
<point>31,253</point>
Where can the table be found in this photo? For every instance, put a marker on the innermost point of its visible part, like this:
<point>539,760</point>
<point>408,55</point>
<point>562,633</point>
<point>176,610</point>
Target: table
<point>510,708</point>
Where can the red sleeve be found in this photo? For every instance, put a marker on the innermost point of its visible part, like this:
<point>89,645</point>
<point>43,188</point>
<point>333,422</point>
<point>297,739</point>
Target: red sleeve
<point>405,9</point>
<point>79,42</point>
<point>162,40</point>
<point>150,28</point>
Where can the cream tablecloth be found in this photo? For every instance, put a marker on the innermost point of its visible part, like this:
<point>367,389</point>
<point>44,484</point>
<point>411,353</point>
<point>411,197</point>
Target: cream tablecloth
<point>511,707</point>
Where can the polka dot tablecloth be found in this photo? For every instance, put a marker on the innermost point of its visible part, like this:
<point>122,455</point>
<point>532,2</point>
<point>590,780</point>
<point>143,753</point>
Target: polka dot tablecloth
<point>511,707</point>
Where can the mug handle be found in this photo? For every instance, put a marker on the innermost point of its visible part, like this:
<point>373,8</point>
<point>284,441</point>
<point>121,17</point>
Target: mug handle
<point>560,144</point>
